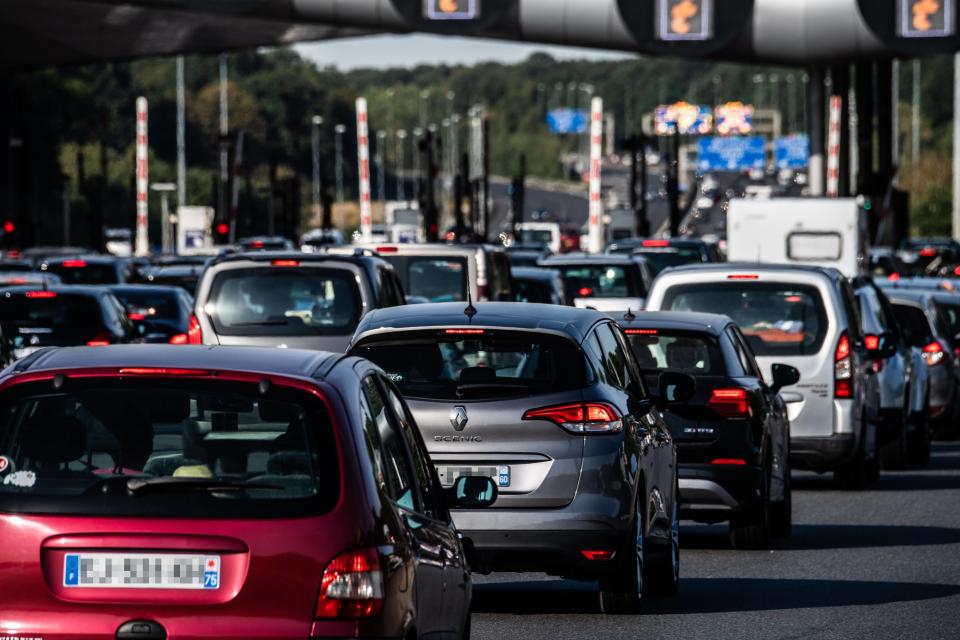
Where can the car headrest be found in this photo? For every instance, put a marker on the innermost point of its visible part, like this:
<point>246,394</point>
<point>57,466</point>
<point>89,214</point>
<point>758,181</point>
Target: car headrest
<point>478,375</point>
<point>54,440</point>
<point>683,355</point>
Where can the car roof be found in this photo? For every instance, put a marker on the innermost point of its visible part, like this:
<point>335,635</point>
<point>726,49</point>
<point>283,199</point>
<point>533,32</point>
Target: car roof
<point>269,256</point>
<point>92,259</point>
<point>268,360</point>
<point>756,266</point>
<point>75,289</point>
<point>534,273</point>
<point>681,320</point>
<point>410,248</point>
<point>576,323</point>
<point>587,258</point>
<point>145,288</point>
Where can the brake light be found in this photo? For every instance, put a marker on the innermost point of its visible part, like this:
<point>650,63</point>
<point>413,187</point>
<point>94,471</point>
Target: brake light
<point>136,317</point>
<point>180,338</point>
<point>580,418</point>
<point>194,331</point>
<point>656,243</point>
<point>872,342</point>
<point>895,277</point>
<point>223,228</point>
<point>928,252</point>
<point>585,292</point>
<point>933,353</point>
<point>74,264</point>
<point>286,263</point>
<point>843,368</point>
<point>161,371</point>
<point>41,294</point>
<point>597,555</point>
<point>386,249</point>
<point>464,332</point>
<point>352,586</point>
<point>102,339</point>
<point>17,281</point>
<point>737,462</point>
<point>743,276</point>
<point>641,332</point>
<point>730,403</point>
<point>257,244</point>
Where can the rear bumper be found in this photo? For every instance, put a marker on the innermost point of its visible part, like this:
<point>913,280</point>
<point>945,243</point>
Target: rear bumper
<point>712,493</point>
<point>822,453</point>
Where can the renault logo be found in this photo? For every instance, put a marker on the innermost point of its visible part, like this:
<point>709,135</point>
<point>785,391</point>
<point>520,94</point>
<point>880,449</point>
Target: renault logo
<point>458,418</point>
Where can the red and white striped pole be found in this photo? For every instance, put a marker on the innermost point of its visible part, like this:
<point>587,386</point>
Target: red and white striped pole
<point>833,147</point>
<point>595,223</point>
<point>142,246</point>
<point>363,156</point>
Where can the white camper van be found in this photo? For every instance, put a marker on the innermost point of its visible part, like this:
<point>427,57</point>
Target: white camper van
<point>804,231</point>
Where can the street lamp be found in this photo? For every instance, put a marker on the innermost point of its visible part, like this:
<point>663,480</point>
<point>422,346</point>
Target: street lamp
<point>317,121</point>
<point>339,130</point>
<point>165,189</point>
<point>381,174</point>
<point>417,137</point>
<point>424,107</point>
<point>401,191</point>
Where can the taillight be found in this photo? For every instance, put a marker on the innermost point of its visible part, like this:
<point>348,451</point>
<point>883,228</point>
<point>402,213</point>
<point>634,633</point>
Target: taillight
<point>102,339</point>
<point>730,403</point>
<point>928,252</point>
<point>74,264</point>
<point>194,332</point>
<point>597,555</point>
<point>734,462</point>
<point>285,263</point>
<point>352,586</point>
<point>41,294</point>
<point>933,353</point>
<point>872,342</point>
<point>584,292</point>
<point>843,368</point>
<point>180,338</point>
<point>592,417</point>
<point>894,277</point>
<point>656,243</point>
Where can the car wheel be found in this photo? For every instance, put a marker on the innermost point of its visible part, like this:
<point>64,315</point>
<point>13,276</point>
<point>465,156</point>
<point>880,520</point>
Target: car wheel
<point>621,594</point>
<point>663,568</point>
<point>781,513</point>
<point>918,447</point>
<point>895,453</point>
<point>751,530</point>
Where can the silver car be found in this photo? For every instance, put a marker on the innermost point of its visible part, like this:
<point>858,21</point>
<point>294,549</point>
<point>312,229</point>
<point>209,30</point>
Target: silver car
<point>805,317</point>
<point>287,299</point>
<point>603,282</point>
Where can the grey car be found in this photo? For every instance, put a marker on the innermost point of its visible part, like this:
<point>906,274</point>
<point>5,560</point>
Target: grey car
<point>603,282</point>
<point>538,285</point>
<point>290,300</point>
<point>549,401</point>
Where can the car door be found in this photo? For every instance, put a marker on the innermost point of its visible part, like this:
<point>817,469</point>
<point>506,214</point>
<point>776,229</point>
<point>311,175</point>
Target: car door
<point>435,519</point>
<point>405,493</point>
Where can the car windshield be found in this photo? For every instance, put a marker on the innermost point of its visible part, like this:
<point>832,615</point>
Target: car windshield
<point>438,279</point>
<point>532,290</point>
<point>778,319</point>
<point>32,317</point>
<point>601,281</point>
<point>151,304</point>
<point>660,259</point>
<point>284,301</point>
<point>686,352</point>
<point>485,365</point>
<point>82,272</point>
<point>536,236</point>
<point>913,321</point>
<point>165,448</point>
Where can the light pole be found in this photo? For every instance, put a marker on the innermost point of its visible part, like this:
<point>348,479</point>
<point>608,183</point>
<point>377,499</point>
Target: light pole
<point>339,130</point>
<point>181,136</point>
<point>758,91</point>
<point>417,137</point>
<point>165,189</point>
<point>381,174</point>
<point>792,102</point>
<point>401,190</point>
<point>317,121</point>
<point>915,136</point>
<point>424,108</point>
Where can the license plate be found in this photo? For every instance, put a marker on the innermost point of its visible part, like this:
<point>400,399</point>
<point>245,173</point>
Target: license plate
<point>141,571</point>
<point>499,474</point>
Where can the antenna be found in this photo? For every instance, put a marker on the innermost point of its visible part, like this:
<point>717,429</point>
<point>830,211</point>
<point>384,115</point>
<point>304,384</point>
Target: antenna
<point>471,310</point>
<point>629,316</point>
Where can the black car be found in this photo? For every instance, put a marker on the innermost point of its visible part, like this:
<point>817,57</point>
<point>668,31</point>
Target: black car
<point>185,276</point>
<point>163,312</point>
<point>733,435</point>
<point>663,253</point>
<point>538,285</point>
<point>548,401</point>
<point>88,270</point>
<point>63,316</point>
<point>527,255</point>
<point>264,243</point>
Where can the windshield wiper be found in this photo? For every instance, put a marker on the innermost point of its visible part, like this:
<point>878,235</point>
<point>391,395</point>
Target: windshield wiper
<point>151,485</point>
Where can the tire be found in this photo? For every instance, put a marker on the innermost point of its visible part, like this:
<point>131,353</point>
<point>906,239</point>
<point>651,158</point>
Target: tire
<point>918,446</point>
<point>781,513</point>
<point>621,594</point>
<point>895,453</point>
<point>854,475</point>
<point>663,568</point>
<point>466,627</point>
<point>751,530</point>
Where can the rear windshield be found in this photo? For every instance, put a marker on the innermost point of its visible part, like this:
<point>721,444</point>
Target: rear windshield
<point>284,301</point>
<point>951,317</point>
<point>162,448</point>
<point>86,274</point>
<point>530,290</point>
<point>601,281</point>
<point>913,321</point>
<point>50,313</point>
<point>494,364</point>
<point>161,305</point>
<point>536,236</point>
<point>682,351</point>
<point>185,277</point>
<point>660,259</point>
<point>438,279</point>
<point>778,319</point>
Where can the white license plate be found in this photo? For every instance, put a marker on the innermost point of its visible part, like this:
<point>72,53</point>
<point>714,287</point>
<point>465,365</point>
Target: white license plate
<point>449,473</point>
<point>141,571</point>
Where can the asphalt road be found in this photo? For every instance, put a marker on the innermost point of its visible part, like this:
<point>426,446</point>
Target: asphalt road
<point>880,564</point>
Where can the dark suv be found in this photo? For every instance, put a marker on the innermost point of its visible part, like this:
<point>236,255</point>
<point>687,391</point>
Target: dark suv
<point>549,402</point>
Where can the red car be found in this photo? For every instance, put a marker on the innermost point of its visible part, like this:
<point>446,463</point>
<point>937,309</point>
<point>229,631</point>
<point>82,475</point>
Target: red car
<point>160,491</point>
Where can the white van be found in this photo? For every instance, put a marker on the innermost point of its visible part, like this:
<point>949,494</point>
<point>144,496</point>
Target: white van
<point>803,231</point>
<point>547,233</point>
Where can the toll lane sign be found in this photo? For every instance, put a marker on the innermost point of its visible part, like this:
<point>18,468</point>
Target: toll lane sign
<point>792,152</point>
<point>926,18</point>
<point>451,9</point>
<point>684,20</point>
<point>733,153</point>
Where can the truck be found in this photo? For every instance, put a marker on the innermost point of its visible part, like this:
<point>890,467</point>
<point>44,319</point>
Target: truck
<point>824,232</point>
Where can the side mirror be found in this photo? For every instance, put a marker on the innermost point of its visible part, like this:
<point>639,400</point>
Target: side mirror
<point>676,388</point>
<point>472,492</point>
<point>784,376</point>
<point>881,347</point>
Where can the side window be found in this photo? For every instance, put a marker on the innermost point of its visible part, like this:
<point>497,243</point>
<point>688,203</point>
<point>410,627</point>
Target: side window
<point>371,437</point>
<point>746,355</point>
<point>400,479</point>
<point>498,276</point>
<point>401,298</point>
<point>385,284</point>
<point>735,362</point>
<point>613,357</point>
<point>421,461</point>
<point>592,347</point>
<point>634,377</point>
<point>850,310</point>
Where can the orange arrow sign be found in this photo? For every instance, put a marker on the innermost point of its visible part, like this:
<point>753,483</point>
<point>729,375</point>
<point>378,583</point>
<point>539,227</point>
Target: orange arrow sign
<point>448,6</point>
<point>921,14</point>
<point>681,14</point>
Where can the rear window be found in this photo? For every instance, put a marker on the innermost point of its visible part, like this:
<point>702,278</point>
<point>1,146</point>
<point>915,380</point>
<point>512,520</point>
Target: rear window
<point>778,319</point>
<point>165,448</point>
<point>601,281</point>
<point>438,279</point>
<point>808,246</point>
<point>536,236</point>
<point>161,305</point>
<point>682,351</point>
<point>660,259</point>
<point>47,312</point>
<point>492,364</point>
<point>913,321</point>
<point>530,290</point>
<point>951,317</point>
<point>284,301</point>
<point>80,272</point>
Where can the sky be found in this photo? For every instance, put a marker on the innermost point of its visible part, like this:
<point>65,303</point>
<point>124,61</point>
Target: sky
<point>380,52</point>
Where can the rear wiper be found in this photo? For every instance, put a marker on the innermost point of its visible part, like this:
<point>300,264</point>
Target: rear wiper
<point>465,388</point>
<point>150,485</point>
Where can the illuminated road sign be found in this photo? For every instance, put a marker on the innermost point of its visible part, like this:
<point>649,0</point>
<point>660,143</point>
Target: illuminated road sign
<point>451,9</point>
<point>690,118</point>
<point>925,18</point>
<point>684,20</point>
<point>734,118</point>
